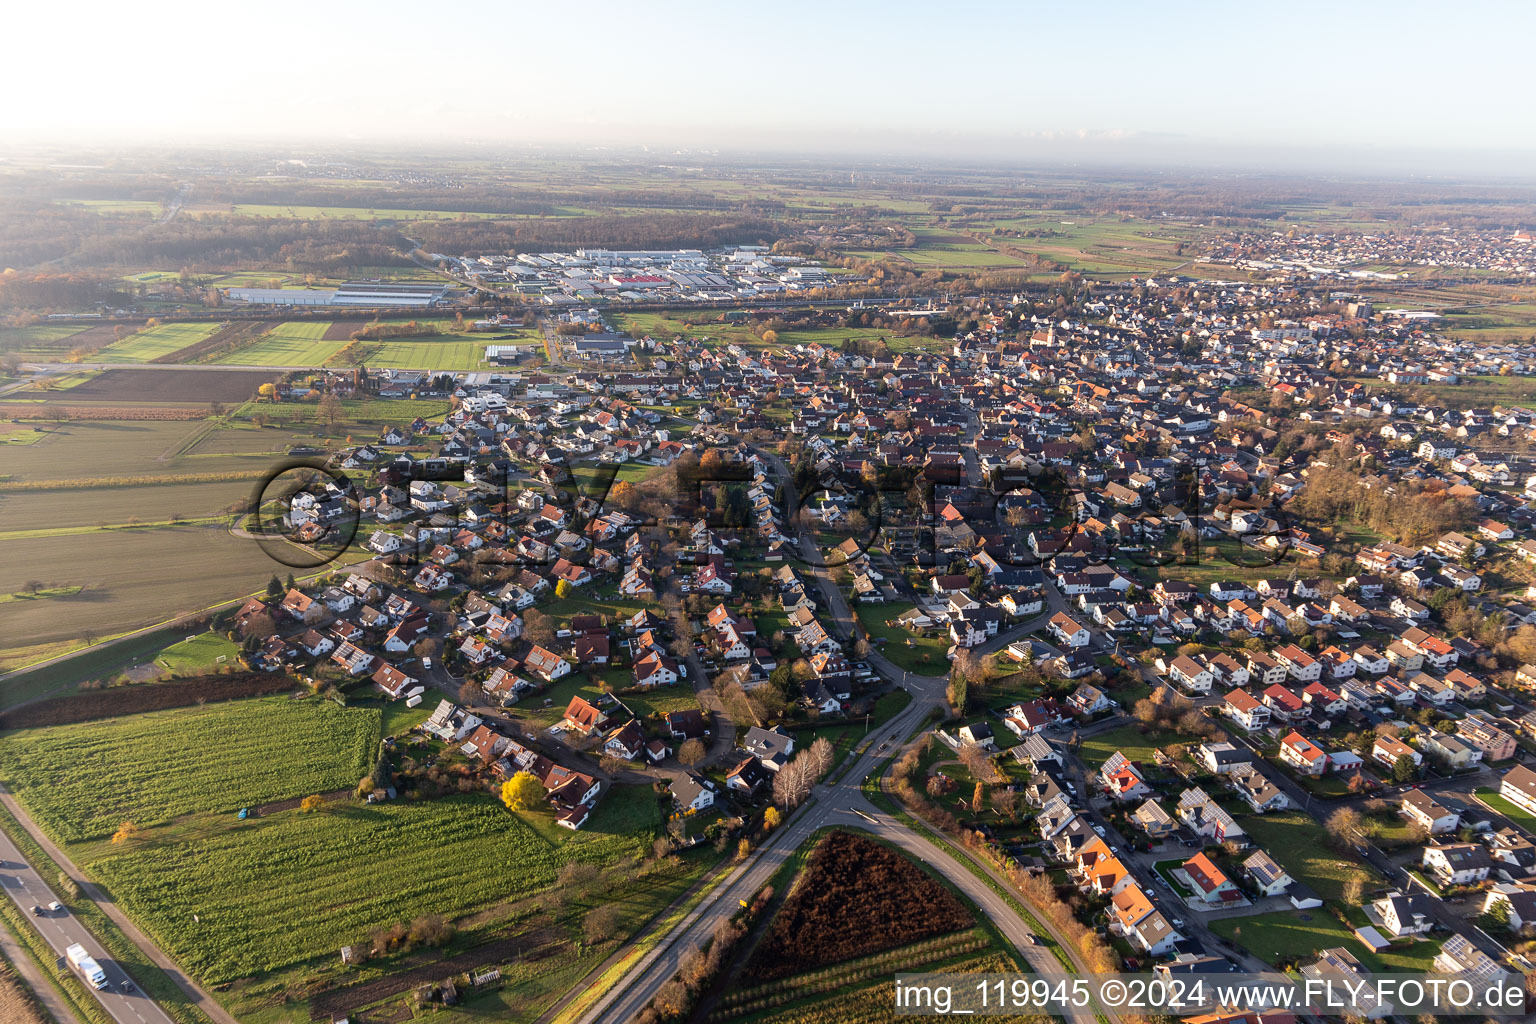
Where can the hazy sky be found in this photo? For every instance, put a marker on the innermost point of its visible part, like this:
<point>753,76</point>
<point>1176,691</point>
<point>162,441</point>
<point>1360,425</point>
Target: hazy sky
<point>1292,81</point>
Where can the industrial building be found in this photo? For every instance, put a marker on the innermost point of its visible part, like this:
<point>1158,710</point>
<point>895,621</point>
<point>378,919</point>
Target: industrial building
<point>353,293</point>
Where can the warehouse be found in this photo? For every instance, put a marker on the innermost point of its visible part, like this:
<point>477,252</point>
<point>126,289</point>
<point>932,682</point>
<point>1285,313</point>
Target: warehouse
<point>353,293</point>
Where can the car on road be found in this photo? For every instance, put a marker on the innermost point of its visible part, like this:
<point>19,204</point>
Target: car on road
<point>125,985</point>
<point>37,911</point>
<point>426,663</point>
<point>55,907</point>
<point>1099,830</point>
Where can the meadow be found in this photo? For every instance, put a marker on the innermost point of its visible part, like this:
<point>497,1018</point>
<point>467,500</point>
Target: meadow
<point>155,341</point>
<point>1301,846</point>
<point>40,341</point>
<point>274,891</point>
<point>83,781</point>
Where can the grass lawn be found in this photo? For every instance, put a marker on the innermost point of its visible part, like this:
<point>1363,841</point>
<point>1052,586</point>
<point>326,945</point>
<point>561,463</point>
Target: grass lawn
<point>927,656</point>
<point>1166,869</point>
<point>1301,846</point>
<point>81,781</point>
<point>91,664</point>
<point>202,653</point>
<point>1525,819</point>
<point>1298,934</point>
<point>1133,741</point>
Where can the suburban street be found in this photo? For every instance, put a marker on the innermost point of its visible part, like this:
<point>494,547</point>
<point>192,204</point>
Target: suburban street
<point>840,803</point>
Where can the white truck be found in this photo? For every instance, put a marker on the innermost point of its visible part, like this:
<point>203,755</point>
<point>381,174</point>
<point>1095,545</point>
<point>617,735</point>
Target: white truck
<point>89,968</point>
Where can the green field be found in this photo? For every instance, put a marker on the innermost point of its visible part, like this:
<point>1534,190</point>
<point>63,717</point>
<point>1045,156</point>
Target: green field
<point>428,354</point>
<point>278,890</point>
<point>1300,934</point>
<point>1301,846</point>
<point>300,343</point>
<point>1131,741</point>
<point>40,341</point>
<point>82,781</point>
<point>927,655</point>
<point>154,342</point>
<point>205,652</point>
<point>347,213</point>
<point>294,343</point>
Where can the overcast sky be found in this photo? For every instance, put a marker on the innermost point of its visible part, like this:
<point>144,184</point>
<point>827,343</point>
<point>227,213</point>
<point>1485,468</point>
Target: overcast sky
<point>1438,87</point>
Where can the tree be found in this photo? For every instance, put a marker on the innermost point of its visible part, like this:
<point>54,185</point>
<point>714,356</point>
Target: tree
<point>624,495</point>
<point>600,924</point>
<point>329,411</point>
<point>978,795</point>
<point>522,792</point>
<point>1403,769</point>
<point>958,693</point>
<point>1344,826</point>
<point>771,819</point>
<point>691,752</point>
<point>426,647</point>
<point>538,628</point>
<point>469,692</point>
<point>274,588</point>
<point>743,848</point>
<point>563,589</point>
<point>313,802</point>
<point>126,831</point>
<point>258,626</point>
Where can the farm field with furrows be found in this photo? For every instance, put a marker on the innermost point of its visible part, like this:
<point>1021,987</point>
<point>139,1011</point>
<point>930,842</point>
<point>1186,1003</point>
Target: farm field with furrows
<point>111,449</point>
<point>31,511</point>
<point>83,781</point>
<point>159,387</point>
<point>134,577</point>
<point>291,886</point>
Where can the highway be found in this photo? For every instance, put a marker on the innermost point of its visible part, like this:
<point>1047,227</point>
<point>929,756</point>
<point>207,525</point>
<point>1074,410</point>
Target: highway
<point>60,929</point>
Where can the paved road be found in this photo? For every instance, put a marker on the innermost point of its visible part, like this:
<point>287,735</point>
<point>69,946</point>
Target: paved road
<point>60,929</point>
<point>53,1004</point>
<point>140,1007</point>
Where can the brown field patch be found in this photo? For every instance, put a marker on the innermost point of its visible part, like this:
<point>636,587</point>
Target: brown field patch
<point>50,411</point>
<point>93,339</point>
<point>854,898</point>
<point>342,330</point>
<point>138,698</point>
<point>159,386</point>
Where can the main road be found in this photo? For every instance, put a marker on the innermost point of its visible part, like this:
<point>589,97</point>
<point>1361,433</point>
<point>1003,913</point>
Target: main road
<point>60,929</point>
